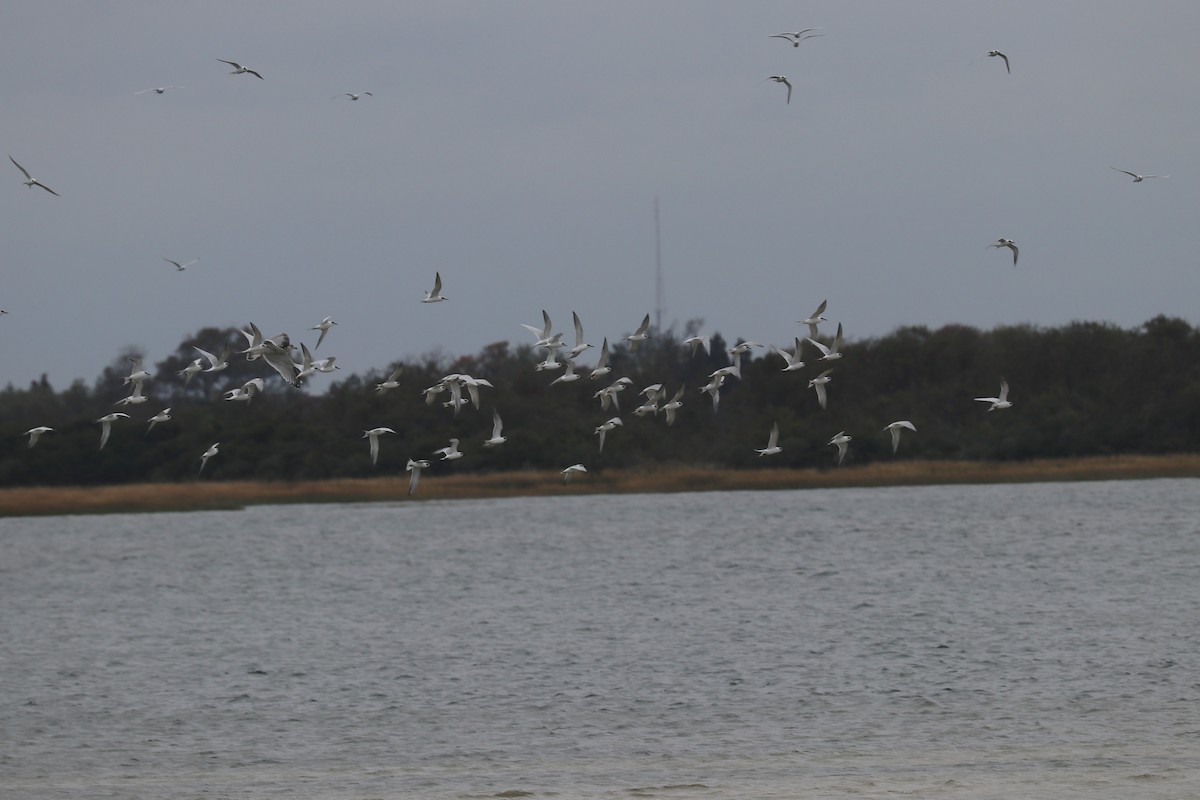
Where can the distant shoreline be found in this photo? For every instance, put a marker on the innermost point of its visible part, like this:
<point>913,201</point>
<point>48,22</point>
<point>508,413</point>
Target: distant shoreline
<point>203,495</point>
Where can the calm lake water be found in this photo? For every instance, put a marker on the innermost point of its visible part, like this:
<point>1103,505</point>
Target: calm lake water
<point>1022,641</point>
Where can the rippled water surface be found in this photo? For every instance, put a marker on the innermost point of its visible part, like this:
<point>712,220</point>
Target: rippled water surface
<point>1032,641</point>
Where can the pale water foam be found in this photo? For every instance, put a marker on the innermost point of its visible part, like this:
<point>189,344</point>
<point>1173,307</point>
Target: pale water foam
<point>1020,641</point>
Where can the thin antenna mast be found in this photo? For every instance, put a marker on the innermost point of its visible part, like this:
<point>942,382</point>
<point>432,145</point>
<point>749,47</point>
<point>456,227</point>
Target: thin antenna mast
<point>659,293</point>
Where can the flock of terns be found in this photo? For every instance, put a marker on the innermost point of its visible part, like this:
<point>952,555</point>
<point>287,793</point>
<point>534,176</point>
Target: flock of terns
<point>279,353</point>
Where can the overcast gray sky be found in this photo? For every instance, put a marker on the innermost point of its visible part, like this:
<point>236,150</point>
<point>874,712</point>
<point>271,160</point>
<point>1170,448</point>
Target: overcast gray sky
<point>518,147</point>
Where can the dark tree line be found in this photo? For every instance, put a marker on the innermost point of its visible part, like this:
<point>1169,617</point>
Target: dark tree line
<point>1081,389</point>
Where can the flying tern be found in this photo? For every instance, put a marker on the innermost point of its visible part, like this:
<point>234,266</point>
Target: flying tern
<point>569,374</point>
<point>772,443</point>
<point>580,344</point>
<point>279,358</point>
<point>1139,178</point>
<point>602,367</point>
<point>414,469</point>
<point>374,435</point>
<point>544,336</point>
<point>608,395</point>
<point>435,296</point>
<point>604,428</point>
<point>158,89</point>
<point>245,392</point>
<point>817,384</point>
<point>997,53</point>
<point>162,416</point>
<point>392,381</point>
<point>698,342</point>
<point>895,428</point>
<point>1010,244</point>
<point>998,403</point>
<point>215,364</point>
<point>673,405</point>
<point>813,319</point>
<point>191,369</point>
<point>238,69</point>
<point>432,392</point>
<point>352,95</point>
<point>209,453</point>
<point>571,471</point>
<point>713,387</point>
<point>449,453</point>
<point>551,362</point>
<point>137,375</point>
<point>791,360</point>
<point>653,395</point>
<point>323,326</point>
<point>834,350</point>
<point>106,425</point>
<point>797,37</point>
<point>640,335</point>
<point>135,398</point>
<point>842,441</point>
<point>734,369</point>
<point>36,433</point>
<point>497,427</point>
<point>783,79</point>
<point>742,348</point>
<point>307,365</point>
<point>180,267</point>
<point>31,181</point>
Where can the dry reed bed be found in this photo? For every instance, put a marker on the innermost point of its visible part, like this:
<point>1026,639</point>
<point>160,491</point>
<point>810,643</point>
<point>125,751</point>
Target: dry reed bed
<point>209,495</point>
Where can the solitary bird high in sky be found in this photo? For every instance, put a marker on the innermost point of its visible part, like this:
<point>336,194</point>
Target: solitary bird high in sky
<point>180,267</point>
<point>1139,178</point>
<point>1010,244</point>
<point>31,181</point>
<point>238,69</point>
<point>783,79</point>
